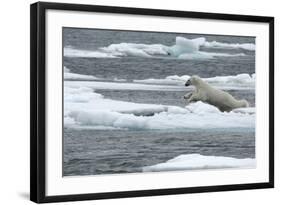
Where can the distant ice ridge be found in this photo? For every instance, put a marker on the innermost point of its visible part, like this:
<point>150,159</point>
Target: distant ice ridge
<point>85,108</point>
<point>74,76</point>
<point>197,161</point>
<point>245,46</point>
<point>183,49</point>
<point>170,83</point>
<point>123,86</point>
<point>190,49</point>
<point>243,80</point>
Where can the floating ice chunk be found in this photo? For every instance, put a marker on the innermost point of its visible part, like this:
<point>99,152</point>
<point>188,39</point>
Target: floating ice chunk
<point>66,70</point>
<point>197,161</point>
<point>240,81</point>
<point>187,46</point>
<point>74,76</point>
<point>215,44</point>
<point>68,121</point>
<point>183,48</point>
<point>83,107</point>
<point>76,53</point>
<point>206,55</point>
<point>163,120</point>
<point>247,110</point>
<point>122,86</point>
<point>202,108</point>
<point>79,95</point>
<point>243,78</point>
<point>177,110</point>
<point>134,49</point>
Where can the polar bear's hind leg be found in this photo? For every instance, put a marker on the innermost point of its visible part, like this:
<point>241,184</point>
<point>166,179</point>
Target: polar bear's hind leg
<point>243,103</point>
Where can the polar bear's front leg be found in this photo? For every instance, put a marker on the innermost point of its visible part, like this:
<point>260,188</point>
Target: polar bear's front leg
<point>194,98</point>
<point>187,96</point>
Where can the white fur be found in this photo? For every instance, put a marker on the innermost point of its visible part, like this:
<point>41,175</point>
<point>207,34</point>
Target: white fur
<point>213,96</point>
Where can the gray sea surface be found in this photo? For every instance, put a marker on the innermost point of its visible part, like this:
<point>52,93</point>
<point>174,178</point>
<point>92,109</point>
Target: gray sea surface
<point>91,152</point>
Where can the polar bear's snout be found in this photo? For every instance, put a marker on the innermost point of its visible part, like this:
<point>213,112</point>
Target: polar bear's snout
<point>194,80</point>
<point>188,83</point>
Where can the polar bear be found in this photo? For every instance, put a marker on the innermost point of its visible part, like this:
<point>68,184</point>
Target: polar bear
<point>213,96</point>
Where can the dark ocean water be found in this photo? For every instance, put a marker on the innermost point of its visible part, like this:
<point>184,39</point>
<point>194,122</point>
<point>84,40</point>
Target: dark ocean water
<point>107,152</point>
<point>88,152</point>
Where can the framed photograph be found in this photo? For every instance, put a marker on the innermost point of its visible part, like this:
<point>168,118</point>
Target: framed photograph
<point>129,102</point>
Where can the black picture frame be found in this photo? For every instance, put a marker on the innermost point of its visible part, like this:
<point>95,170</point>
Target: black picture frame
<point>38,101</point>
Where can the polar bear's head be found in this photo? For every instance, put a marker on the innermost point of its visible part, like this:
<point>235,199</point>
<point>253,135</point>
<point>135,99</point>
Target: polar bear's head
<point>194,80</point>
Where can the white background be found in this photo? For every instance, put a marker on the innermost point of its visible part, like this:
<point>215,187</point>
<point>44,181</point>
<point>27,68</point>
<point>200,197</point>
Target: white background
<point>14,107</point>
<point>56,185</point>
